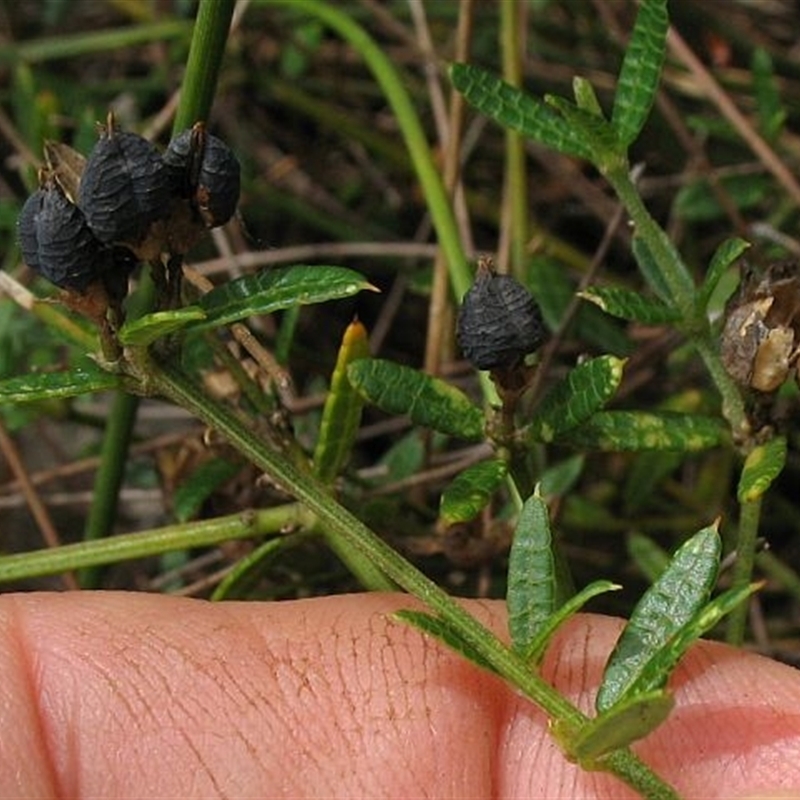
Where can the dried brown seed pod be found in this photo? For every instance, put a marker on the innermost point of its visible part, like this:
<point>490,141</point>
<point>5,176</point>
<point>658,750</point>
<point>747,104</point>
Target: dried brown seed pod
<point>759,343</point>
<point>124,187</point>
<point>55,240</point>
<point>204,170</point>
<point>499,322</point>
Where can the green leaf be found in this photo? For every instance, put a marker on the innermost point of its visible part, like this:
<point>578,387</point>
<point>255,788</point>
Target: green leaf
<point>649,557</point>
<point>585,96</point>
<point>559,478</point>
<point>85,378</point>
<point>628,721</point>
<point>342,412</point>
<point>647,471</point>
<point>276,289</point>
<point>145,330</point>
<point>649,268</point>
<point>678,594</point>
<point>656,672</point>
<point>443,631</point>
<point>723,257</point>
<point>643,430</point>
<point>200,485</point>
<point>598,134</point>
<point>428,401</point>
<point>630,305</point>
<point>536,649</point>
<point>588,387</point>
<point>531,593</point>
<point>762,465</point>
<point>514,109</point>
<point>471,491</point>
<point>641,68</point>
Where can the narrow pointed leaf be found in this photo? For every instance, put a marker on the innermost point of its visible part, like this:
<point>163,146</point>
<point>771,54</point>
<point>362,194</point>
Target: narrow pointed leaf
<point>471,491</point>
<point>342,412</point>
<point>147,329</point>
<point>598,134</point>
<point>440,629</point>
<point>677,596</point>
<point>586,389</point>
<point>537,646</point>
<point>514,109</point>
<point>724,256</point>
<point>85,378</point>
<point>762,465</point>
<point>630,305</point>
<point>630,720</point>
<point>531,593</point>
<point>585,96</point>
<point>276,289</point>
<point>641,69</point>
<point>428,401</point>
<point>771,111</point>
<point>656,672</point>
<point>643,430</point>
<point>649,268</point>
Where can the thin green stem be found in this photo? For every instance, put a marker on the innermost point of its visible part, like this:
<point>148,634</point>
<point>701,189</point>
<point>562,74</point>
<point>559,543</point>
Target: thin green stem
<point>350,530</point>
<point>391,84</point>
<point>673,272</point>
<point>746,538</point>
<point>127,546</point>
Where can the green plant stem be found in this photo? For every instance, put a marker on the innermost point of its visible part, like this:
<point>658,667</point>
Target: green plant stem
<point>746,538</point>
<point>677,279</point>
<point>674,274</point>
<point>387,77</point>
<point>176,386</point>
<point>127,546</point>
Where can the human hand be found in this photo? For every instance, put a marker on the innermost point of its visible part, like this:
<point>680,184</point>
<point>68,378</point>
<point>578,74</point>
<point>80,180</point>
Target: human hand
<point>130,695</point>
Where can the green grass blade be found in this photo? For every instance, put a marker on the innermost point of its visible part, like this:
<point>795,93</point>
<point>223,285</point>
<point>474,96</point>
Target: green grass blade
<point>428,401</point>
<point>641,68</point>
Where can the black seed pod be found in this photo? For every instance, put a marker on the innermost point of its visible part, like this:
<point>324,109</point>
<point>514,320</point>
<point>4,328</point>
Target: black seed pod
<point>204,170</point>
<point>499,322</point>
<point>124,187</point>
<point>55,240</point>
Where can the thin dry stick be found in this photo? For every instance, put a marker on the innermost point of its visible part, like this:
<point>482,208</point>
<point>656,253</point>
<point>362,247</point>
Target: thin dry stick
<point>438,342</point>
<point>35,504</point>
<point>550,349</point>
<point>728,109</point>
